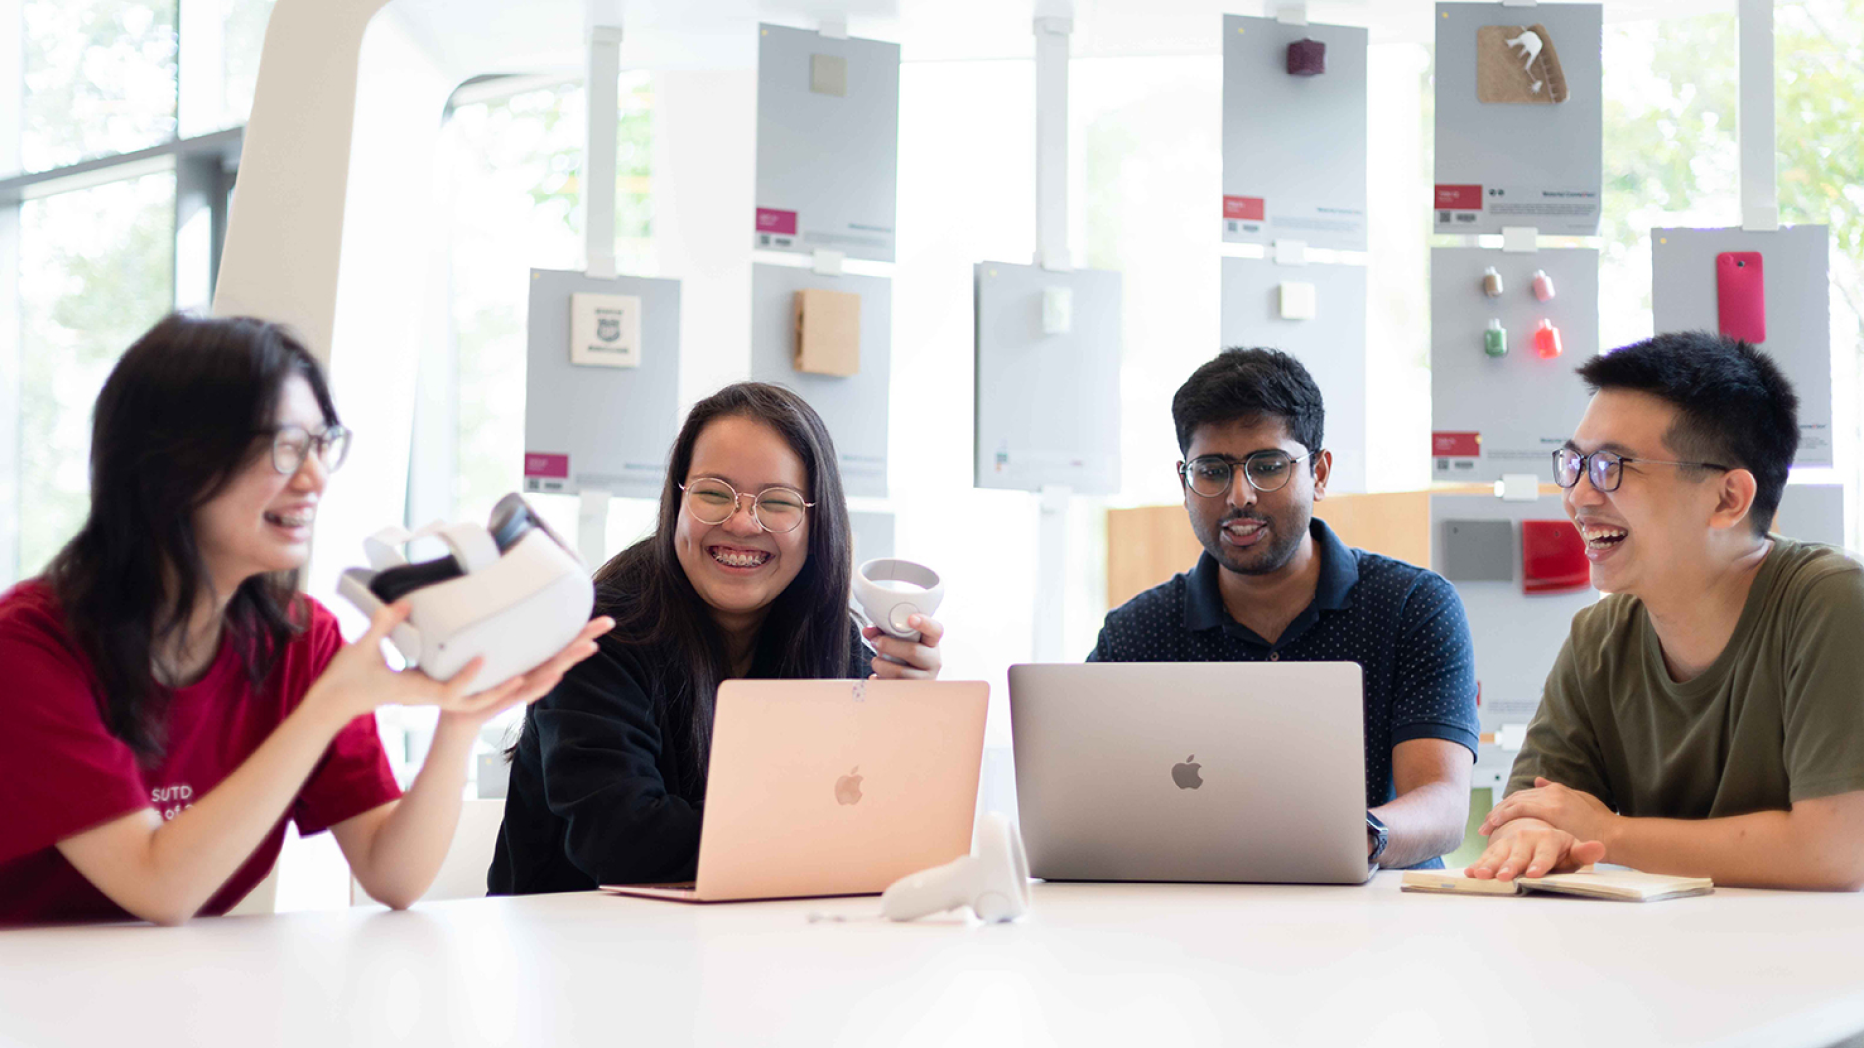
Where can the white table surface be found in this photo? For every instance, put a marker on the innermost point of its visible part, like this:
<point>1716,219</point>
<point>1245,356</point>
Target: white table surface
<point>1189,965</point>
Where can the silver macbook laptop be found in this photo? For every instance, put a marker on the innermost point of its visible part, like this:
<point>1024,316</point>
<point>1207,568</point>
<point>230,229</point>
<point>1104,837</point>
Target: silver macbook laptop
<point>1191,771</point>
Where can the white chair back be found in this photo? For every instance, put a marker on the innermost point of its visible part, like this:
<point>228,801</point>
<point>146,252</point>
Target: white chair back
<point>462,872</point>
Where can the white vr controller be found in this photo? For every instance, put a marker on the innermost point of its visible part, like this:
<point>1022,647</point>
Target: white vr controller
<point>994,883</point>
<point>511,592</point>
<point>889,592</point>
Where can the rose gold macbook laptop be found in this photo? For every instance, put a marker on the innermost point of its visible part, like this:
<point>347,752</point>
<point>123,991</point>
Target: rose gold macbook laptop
<point>834,787</point>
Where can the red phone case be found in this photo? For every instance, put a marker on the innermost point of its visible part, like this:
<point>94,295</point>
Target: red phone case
<point>1553,557</point>
<point>1740,296</point>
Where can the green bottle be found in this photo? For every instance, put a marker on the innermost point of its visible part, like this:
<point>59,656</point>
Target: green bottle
<point>1495,340</point>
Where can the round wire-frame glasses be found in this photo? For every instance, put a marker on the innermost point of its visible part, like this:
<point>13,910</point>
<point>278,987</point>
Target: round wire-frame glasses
<point>778,509</point>
<point>1267,470</point>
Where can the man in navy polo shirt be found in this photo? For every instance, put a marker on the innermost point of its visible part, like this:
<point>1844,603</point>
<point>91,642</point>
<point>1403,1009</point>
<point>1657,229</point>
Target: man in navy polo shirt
<point>1275,584</point>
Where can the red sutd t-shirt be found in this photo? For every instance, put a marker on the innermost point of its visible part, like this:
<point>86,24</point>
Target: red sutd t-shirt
<point>62,772</point>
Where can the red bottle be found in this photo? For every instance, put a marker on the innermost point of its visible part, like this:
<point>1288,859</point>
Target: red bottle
<point>1547,340</point>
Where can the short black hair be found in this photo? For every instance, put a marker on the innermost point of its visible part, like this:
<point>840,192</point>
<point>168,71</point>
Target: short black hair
<point>1734,406</point>
<point>1249,384</point>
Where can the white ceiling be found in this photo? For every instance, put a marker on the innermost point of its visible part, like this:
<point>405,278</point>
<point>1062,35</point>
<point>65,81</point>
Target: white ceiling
<point>473,37</point>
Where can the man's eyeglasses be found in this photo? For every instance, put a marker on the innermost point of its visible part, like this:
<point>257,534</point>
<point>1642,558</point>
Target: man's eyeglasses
<point>290,444</point>
<point>1605,468</point>
<point>1212,475</point>
<point>776,509</point>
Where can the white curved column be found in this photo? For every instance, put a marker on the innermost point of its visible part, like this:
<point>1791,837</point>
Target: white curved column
<point>333,230</point>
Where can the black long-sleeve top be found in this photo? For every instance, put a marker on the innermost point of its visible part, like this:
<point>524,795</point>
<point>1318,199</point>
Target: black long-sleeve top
<point>604,786</point>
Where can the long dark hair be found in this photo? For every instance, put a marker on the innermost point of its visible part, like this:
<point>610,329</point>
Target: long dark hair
<point>183,411</point>
<point>807,632</point>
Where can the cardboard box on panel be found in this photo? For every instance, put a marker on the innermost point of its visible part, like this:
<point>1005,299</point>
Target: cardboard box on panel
<point>828,332</point>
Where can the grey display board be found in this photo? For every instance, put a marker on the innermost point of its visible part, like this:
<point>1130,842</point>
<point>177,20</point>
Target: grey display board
<point>1516,635</point>
<point>855,407</point>
<point>1476,551</point>
<point>1813,512</point>
<point>1048,406</point>
<point>1294,147</point>
<point>602,428</point>
<point>1493,416</point>
<point>1518,163</point>
<point>828,137</point>
<point>1797,293</point>
<point>1332,345</point>
<point>873,535</point>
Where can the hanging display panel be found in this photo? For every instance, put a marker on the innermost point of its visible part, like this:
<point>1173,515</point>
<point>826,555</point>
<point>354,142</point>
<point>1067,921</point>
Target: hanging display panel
<point>828,143</point>
<point>1813,512</point>
<point>1521,585</point>
<point>1294,133</point>
<point>1519,118</point>
<point>1769,288</point>
<point>829,339</point>
<point>1048,379</point>
<point>600,411</point>
<point>1317,313</point>
<point>1506,333</point>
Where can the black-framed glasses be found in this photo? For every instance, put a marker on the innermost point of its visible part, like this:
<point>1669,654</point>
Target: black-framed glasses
<point>1606,468</point>
<point>290,444</point>
<point>1267,470</point>
<point>777,508</point>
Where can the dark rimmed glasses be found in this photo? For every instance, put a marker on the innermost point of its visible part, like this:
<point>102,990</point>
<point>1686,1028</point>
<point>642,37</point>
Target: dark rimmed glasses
<point>1266,471</point>
<point>1606,468</point>
<point>290,445</point>
<point>776,509</point>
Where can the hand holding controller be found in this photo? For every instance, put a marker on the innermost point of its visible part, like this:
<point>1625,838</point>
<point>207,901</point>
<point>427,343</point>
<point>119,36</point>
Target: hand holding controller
<point>889,592</point>
<point>894,601</point>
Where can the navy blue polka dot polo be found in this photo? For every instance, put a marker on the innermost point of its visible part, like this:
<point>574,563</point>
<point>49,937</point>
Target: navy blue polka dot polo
<point>1402,624</point>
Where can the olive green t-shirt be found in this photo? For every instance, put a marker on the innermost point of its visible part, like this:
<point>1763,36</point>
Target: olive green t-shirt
<point>1777,718</point>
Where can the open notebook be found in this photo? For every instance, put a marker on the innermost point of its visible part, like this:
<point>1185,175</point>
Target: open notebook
<point>1592,883</point>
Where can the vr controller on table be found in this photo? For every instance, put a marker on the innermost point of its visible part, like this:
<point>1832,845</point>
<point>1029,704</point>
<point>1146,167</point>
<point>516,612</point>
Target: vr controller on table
<point>511,591</point>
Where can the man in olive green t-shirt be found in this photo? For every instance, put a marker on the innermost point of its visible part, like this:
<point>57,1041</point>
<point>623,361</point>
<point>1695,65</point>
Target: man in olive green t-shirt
<point>1707,718</point>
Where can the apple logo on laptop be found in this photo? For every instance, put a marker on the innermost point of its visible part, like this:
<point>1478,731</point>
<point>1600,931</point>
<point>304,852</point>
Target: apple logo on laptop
<point>848,787</point>
<point>1185,775</point>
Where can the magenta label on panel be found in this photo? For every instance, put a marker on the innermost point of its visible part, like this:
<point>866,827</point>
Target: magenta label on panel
<point>770,220</point>
<point>541,464</point>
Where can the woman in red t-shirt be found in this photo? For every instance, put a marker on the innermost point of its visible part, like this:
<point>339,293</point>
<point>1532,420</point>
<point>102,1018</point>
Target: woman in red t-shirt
<point>169,699</point>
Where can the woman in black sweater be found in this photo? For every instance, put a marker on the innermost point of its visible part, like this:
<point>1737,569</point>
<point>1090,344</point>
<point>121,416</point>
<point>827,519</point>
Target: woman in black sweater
<point>746,575</point>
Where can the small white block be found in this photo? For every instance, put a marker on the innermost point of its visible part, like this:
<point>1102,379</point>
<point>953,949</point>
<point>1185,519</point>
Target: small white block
<point>1518,487</point>
<point>605,330</point>
<point>827,261</point>
<point>1057,310</point>
<point>592,525</point>
<point>1760,219</point>
<point>1520,240</point>
<point>1297,300</point>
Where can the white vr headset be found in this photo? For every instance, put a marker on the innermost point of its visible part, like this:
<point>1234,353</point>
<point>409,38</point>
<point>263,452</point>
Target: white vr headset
<point>511,592</point>
<point>888,592</point>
